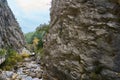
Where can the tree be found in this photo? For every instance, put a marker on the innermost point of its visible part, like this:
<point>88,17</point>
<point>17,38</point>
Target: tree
<point>35,42</point>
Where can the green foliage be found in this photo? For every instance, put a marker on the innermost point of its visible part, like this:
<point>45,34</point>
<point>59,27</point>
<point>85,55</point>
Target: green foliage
<point>40,52</point>
<point>40,32</point>
<point>24,54</point>
<point>2,52</point>
<point>37,35</point>
<point>34,39</point>
<point>12,58</point>
<point>42,27</point>
<point>29,37</point>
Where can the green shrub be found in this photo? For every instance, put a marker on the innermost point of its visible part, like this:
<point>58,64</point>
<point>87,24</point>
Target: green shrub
<point>28,37</point>
<point>2,52</point>
<point>12,58</point>
<point>25,55</point>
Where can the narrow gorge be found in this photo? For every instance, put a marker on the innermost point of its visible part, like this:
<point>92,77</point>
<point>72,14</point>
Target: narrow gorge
<point>82,42</point>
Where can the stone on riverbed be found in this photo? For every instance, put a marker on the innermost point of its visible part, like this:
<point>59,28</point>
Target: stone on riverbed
<point>27,70</point>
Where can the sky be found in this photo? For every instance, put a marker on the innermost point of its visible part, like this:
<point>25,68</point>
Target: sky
<point>30,13</point>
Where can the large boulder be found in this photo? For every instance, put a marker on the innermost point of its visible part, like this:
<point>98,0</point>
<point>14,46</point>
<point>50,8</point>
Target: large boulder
<point>11,35</point>
<point>83,42</point>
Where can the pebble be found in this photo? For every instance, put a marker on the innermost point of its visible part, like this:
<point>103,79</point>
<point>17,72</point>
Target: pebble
<point>28,70</point>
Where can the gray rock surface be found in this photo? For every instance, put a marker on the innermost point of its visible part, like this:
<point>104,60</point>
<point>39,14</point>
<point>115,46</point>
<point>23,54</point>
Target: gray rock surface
<point>23,72</point>
<point>83,42</point>
<point>11,35</point>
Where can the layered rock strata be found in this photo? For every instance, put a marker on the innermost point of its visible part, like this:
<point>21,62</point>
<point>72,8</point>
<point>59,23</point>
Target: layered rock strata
<point>83,42</point>
<point>11,35</point>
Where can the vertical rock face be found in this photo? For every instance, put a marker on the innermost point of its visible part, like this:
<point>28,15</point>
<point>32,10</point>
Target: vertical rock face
<point>84,40</point>
<point>11,35</point>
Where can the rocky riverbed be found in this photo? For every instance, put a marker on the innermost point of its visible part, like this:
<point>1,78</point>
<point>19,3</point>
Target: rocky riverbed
<point>29,69</point>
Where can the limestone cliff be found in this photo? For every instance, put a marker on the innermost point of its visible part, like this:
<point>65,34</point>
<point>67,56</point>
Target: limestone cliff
<point>11,35</point>
<point>84,40</point>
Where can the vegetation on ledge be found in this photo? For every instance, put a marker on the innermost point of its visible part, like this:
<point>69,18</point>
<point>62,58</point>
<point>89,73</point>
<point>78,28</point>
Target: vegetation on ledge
<point>12,58</point>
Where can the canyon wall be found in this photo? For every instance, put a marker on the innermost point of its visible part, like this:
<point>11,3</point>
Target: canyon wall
<point>11,35</point>
<point>83,42</point>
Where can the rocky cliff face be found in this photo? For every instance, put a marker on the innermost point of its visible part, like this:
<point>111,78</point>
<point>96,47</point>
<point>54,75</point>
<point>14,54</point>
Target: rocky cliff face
<point>84,40</point>
<point>11,35</point>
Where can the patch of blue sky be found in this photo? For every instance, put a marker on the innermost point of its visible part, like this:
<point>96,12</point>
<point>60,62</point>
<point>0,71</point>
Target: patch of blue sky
<point>29,17</point>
